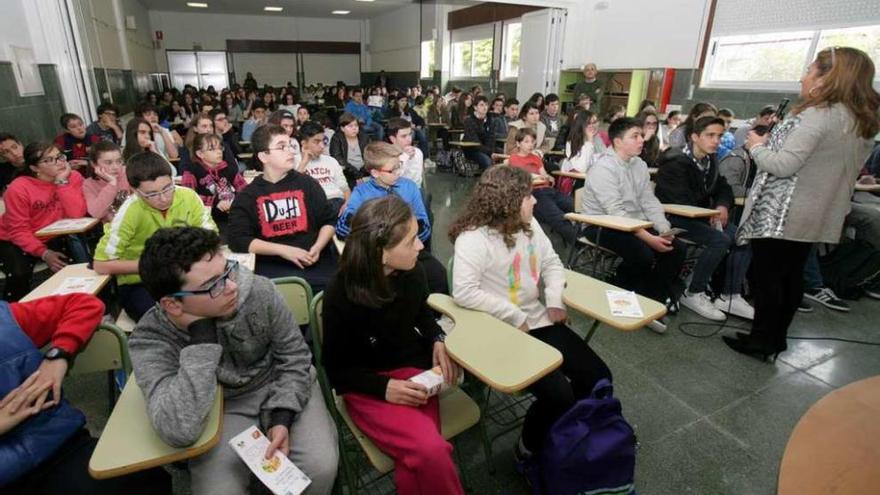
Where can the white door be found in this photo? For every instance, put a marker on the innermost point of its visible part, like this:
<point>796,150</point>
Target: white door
<point>540,56</point>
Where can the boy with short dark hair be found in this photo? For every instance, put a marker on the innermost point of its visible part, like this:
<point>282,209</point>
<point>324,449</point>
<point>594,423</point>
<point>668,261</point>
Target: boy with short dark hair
<point>619,184</point>
<point>156,202</point>
<point>74,142</point>
<point>258,118</point>
<point>477,130</point>
<point>323,168</point>
<point>216,323</point>
<point>107,126</point>
<point>12,152</point>
<point>552,118</point>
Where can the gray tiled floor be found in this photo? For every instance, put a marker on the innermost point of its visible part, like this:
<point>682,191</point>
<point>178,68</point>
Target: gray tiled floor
<point>709,421</point>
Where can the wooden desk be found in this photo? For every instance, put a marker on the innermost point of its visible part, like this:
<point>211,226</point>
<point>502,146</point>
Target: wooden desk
<point>623,224</point>
<point>244,143</point>
<point>245,156</point>
<point>464,144</point>
<point>587,295</point>
<point>505,358</point>
<point>129,443</point>
<point>437,124</point>
<point>250,175</point>
<point>55,281</point>
<point>174,160</point>
<point>835,447</point>
<point>739,201</point>
<point>67,226</point>
<point>247,260</point>
<point>689,211</point>
<point>652,170</point>
<point>340,245</point>
<point>555,153</point>
<point>573,175</point>
<point>868,187</point>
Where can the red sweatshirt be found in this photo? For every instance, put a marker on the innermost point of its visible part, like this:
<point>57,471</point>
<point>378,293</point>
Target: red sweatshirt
<point>531,163</point>
<point>31,204</point>
<point>67,321</point>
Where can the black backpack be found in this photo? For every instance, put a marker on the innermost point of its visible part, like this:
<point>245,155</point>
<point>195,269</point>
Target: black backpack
<point>850,268</point>
<point>461,165</point>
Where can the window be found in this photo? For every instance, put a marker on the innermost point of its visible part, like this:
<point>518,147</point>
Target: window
<point>200,69</point>
<point>428,64</point>
<point>778,60</point>
<point>472,58</point>
<point>510,55</point>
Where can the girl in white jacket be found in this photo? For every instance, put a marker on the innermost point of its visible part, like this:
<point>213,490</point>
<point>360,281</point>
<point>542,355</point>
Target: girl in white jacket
<point>584,143</point>
<point>501,259</point>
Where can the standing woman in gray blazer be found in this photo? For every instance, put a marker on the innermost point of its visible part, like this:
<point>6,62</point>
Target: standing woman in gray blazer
<point>807,169</point>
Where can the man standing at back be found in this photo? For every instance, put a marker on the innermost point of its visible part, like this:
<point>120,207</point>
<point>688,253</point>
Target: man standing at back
<point>590,86</point>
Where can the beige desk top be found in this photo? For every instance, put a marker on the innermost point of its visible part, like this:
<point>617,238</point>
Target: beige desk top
<point>248,260</point>
<point>587,295</point>
<point>624,224</point>
<point>465,144</point>
<point>573,175</point>
<point>868,187</point>
<point>835,447</point>
<point>245,156</point>
<point>652,170</point>
<point>340,245</point>
<point>244,143</point>
<point>66,226</point>
<point>689,211</point>
<point>129,443</point>
<point>55,281</point>
<point>500,355</point>
<point>739,201</point>
<point>555,153</point>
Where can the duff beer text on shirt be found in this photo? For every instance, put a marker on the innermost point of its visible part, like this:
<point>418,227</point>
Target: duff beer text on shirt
<point>282,213</point>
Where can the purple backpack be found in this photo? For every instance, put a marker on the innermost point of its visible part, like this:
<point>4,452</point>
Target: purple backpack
<point>590,450</point>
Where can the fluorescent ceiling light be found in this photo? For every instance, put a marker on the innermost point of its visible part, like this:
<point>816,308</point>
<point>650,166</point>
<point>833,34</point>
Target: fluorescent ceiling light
<point>273,9</point>
<point>364,0</point>
<point>341,12</point>
<point>200,5</point>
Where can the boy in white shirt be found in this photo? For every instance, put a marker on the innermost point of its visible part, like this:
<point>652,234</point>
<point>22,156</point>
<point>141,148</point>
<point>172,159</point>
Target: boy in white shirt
<point>412,160</point>
<point>323,168</point>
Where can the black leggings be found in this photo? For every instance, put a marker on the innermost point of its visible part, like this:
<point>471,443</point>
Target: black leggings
<point>557,392</point>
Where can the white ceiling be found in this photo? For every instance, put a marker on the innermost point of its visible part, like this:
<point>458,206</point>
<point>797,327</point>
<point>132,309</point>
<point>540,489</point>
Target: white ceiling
<point>292,8</point>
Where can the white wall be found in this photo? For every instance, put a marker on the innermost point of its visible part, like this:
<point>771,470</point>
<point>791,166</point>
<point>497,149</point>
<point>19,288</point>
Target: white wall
<point>739,16</point>
<point>635,34</point>
<point>395,40</point>
<point>139,42</point>
<point>18,27</point>
<point>183,29</point>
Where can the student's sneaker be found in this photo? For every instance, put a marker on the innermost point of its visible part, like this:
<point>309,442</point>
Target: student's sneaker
<point>873,291</point>
<point>701,304</point>
<point>429,164</point>
<point>659,325</point>
<point>736,306</point>
<point>827,298</point>
<point>803,307</point>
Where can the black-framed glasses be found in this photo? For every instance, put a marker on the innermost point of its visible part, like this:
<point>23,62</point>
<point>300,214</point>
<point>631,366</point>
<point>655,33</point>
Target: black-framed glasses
<point>61,157</point>
<point>219,285</point>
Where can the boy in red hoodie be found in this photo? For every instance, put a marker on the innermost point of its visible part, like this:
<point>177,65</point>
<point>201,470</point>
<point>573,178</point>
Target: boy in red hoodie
<point>51,192</point>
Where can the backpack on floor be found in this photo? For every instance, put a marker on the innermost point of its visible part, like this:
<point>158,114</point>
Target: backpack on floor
<point>461,165</point>
<point>590,450</point>
<point>850,268</point>
<point>443,161</point>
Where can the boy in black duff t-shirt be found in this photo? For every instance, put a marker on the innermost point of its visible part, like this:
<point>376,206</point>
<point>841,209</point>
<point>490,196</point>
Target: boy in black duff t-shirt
<point>283,216</point>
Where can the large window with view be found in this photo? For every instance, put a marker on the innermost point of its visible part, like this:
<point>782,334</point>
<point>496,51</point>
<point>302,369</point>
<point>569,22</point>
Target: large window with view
<point>777,60</point>
<point>510,53</point>
<point>428,64</point>
<point>472,58</point>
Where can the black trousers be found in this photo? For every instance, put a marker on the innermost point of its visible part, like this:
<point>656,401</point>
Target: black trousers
<point>557,392</point>
<point>67,473</point>
<point>644,271</point>
<point>777,289</point>
<point>317,275</point>
<point>19,266</point>
<point>551,208</point>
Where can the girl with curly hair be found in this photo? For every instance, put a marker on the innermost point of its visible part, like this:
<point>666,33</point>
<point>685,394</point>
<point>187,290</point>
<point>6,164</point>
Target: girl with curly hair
<point>502,259</point>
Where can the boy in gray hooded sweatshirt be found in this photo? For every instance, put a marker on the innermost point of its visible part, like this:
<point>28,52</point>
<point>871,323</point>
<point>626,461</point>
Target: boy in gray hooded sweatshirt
<point>218,323</point>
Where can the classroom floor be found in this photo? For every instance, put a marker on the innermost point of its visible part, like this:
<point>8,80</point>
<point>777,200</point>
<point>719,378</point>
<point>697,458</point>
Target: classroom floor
<point>708,420</point>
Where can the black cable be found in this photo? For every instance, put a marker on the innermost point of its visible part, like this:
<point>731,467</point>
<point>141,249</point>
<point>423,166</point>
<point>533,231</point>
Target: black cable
<point>838,339</point>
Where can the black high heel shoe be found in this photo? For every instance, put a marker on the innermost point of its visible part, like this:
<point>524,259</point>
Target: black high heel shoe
<point>743,346</point>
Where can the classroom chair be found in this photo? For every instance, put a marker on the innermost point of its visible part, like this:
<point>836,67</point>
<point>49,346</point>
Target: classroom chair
<point>106,351</point>
<point>298,295</point>
<point>458,412</point>
<point>585,255</point>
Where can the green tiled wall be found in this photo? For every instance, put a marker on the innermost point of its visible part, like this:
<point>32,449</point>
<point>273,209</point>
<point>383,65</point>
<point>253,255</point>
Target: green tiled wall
<point>745,104</point>
<point>125,86</point>
<point>30,118</point>
<point>398,79</point>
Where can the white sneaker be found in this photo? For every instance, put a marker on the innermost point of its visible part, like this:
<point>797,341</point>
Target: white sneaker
<point>658,325</point>
<point>429,164</point>
<point>736,306</point>
<point>701,304</point>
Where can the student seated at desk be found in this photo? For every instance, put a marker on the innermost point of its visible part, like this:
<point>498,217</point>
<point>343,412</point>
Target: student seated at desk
<point>13,165</point>
<point>107,126</point>
<point>690,176</point>
<point>164,141</point>
<point>283,216</point>
<point>502,259</point>
<point>356,107</point>
<point>402,110</point>
<point>44,445</point>
<point>378,332</point>
<point>212,178</point>
<point>552,119</point>
<point>218,323</point>
<point>400,133</point>
<point>383,161</point>
<point>48,192</point>
<point>584,144</point>
<point>478,129</point>
<point>619,184</point>
<point>323,168</point>
<point>108,187</point>
<point>501,123</point>
<point>138,138</point>
<point>551,204</point>
<point>347,147</point>
<point>202,123</point>
<point>156,203</point>
<point>529,116</point>
<point>258,118</point>
<point>74,142</point>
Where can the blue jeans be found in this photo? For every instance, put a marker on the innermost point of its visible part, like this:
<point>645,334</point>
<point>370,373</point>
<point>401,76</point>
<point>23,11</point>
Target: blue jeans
<point>482,159</point>
<point>420,137</point>
<point>812,274</point>
<point>375,129</point>
<point>716,244</point>
<point>551,208</point>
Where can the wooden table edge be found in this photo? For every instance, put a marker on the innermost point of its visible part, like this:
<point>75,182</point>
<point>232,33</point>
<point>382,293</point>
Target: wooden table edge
<point>635,325</point>
<point>581,218</point>
<point>58,233</point>
<point>181,455</point>
<point>101,285</point>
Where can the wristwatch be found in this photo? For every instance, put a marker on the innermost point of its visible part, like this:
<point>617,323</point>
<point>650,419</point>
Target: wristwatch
<point>58,353</point>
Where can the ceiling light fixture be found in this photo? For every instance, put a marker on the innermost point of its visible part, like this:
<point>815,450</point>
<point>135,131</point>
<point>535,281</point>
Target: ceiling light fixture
<point>364,0</point>
<point>273,9</point>
<point>341,12</point>
<point>199,5</point>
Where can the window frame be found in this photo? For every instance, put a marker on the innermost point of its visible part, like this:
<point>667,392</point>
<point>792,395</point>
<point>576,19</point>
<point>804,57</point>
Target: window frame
<point>772,86</point>
<point>470,75</point>
<point>505,56</point>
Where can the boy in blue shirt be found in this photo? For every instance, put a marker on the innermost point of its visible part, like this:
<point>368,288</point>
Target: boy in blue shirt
<point>359,109</point>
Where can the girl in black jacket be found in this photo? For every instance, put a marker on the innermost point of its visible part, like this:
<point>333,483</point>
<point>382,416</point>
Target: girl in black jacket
<point>348,137</point>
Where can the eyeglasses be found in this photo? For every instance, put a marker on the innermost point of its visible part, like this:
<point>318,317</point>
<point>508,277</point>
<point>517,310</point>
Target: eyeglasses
<point>213,148</point>
<point>393,171</point>
<point>165,191</point>
<point>282,148</point>
<point>54,159</point>
<point>219,285</point>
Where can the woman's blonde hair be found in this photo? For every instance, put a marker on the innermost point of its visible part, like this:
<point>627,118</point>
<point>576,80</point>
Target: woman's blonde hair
<point>848,78</point>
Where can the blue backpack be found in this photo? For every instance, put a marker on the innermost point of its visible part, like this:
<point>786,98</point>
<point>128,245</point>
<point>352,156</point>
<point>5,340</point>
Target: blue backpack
<point>590,450</point>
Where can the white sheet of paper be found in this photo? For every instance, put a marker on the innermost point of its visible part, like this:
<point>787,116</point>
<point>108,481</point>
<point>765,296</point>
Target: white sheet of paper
<point>279,475</point>
<point>67,224</point>
<point>73,285</point>
<point>624,303</point>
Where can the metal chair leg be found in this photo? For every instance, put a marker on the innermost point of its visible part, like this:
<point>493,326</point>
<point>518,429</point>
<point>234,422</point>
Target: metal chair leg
<point>592,330</point>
